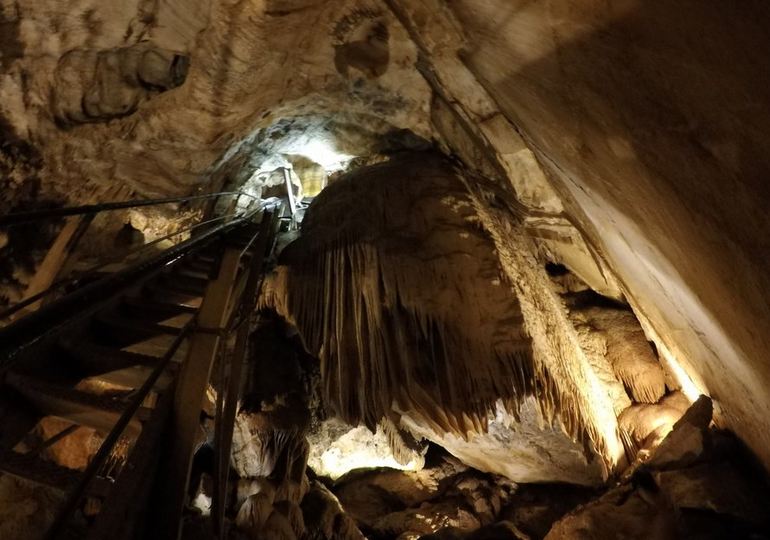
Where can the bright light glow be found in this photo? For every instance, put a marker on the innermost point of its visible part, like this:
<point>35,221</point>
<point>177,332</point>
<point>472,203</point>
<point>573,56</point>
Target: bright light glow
<point>689,388</point>
<point>323,153</point>
<point>358,449</point>
<point>600,410</point>
<point>336,463</point>
<point>203,503</point>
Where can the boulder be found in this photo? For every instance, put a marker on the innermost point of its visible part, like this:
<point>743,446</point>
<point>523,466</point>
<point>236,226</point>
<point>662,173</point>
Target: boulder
<point>426,519</point>
<point>685,444</point>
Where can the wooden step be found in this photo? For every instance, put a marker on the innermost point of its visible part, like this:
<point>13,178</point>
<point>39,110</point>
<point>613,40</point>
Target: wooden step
<point>192,272</point>
<point>134,377</point>
<point>199,265</point>
<point>100,412</point>
<point>111,327</point>
<point>184,283</point>
<point>93,359</point>
<point>139,306</point>
<point>158,291</point>
<point>159,346</point>
<point>35,469</point>
<point>241,240</point>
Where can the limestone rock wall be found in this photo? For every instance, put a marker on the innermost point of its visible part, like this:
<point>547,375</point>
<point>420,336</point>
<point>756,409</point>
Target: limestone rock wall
<point>172,89</point>
<point>95,86</point>
<point>633,135</point>
<point>651,120</point>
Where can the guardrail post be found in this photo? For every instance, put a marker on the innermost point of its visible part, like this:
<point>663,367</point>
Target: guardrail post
<point>227,400</point>
<point>191,386</point>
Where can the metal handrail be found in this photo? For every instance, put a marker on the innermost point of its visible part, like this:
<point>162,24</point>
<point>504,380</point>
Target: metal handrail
<point>94,269</point>
<point>51,213</point>
<point>28,330</point>
<point>91,211</point>
<point>137,398</point>
<point>24,333</point>
<point>227,394</point>
<point>101,456</point>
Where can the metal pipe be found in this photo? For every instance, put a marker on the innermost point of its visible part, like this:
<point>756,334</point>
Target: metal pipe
<point>289,191</point>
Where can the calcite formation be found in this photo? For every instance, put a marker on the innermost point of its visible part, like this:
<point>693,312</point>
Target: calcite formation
<point>372,286</point>
<point>172,91</point>
<point>174,94</point>
<point>689,487</point>
<point>590,149</point>
<point>95,86</point>
<point>382,310</point>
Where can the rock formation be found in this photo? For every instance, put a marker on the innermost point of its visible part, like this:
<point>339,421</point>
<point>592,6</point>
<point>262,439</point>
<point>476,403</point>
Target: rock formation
<point>538,234</point>
<point>371,287</point>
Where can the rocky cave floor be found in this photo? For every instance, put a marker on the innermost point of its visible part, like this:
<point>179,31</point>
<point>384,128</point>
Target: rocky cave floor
<point>700,483</point>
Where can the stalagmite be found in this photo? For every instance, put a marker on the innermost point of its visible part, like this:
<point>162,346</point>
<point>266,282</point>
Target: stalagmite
<point>324,517</point>
<point>293,513</point>
<point>643,426</point>
<point>247,487</point>
<point>277,527</point>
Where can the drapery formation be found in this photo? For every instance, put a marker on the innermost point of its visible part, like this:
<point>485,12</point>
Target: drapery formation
<point>396,288</point>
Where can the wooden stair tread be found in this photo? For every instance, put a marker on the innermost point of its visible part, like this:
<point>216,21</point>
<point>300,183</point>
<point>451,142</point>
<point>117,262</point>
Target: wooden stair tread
<point>199,265</point>
<point>177,281</point>
<point>95,358</point>
<point>48,473</point>
<point>192,272</point>
<point>139,304</point>
<point>113,329</point>
<point>160,292</point>
<point>133,377</point>
<point>100,412</point>
<point>131,323</point>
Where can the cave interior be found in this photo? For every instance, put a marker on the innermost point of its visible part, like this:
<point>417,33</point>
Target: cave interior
<point>385,269</point>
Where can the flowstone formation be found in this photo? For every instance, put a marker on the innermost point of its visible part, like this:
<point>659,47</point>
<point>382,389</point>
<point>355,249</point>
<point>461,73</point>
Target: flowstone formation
<point>390,250</point>
<point>397,289</point>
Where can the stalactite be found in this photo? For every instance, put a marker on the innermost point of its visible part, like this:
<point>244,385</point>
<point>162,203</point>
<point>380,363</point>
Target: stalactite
<point>403,446</point>
<point>382,355</point>
<point>400,293</point>
<point>567,387</point>
<point>629,353</point>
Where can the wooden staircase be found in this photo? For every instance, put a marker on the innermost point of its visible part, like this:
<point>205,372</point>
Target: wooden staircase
<point>133,367</point>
